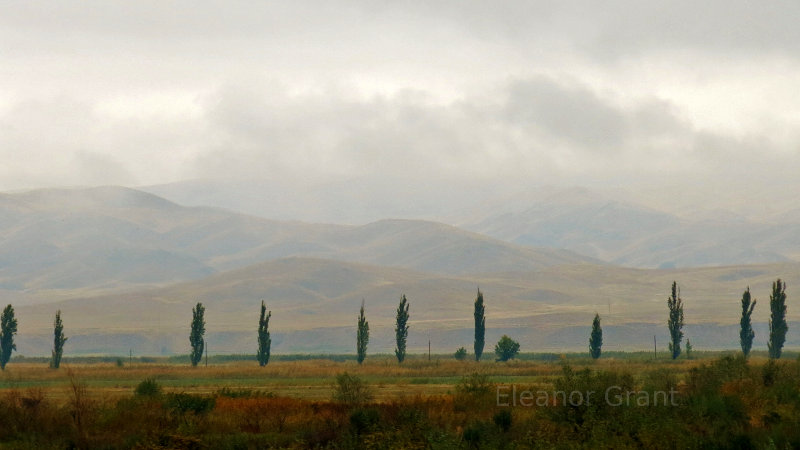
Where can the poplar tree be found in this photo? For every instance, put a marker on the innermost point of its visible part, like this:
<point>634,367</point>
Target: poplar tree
<point>675,322</point>
<point>264,340</point>
<point>362,335</point>
<point>196,336</point>
<point>746,333</point>
<point>58,341</point>
<point>596,338</point>
<point>401,329</point>
<point>777,319</point>
<point>8,328</point>
<point>480,326</point>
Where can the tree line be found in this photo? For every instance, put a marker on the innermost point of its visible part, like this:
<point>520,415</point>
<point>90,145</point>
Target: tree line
<point>505,349</point>
<point>777,324</point>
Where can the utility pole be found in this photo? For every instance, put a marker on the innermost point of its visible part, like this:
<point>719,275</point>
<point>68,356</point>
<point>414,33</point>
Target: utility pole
<point>205,344</point>
<point>429,348</point>
<point>130,357</point>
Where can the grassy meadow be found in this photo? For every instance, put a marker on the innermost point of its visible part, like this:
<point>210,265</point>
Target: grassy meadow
<point>722,401</point>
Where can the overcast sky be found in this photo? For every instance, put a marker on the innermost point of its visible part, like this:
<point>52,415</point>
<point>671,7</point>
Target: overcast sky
<point>435,93</point>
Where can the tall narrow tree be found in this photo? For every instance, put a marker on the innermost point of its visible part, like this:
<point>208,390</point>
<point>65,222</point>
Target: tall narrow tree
<point>198,331</point>
<point>746,333</point>
<point>58,341</point>
<point>777,319</point>
<point>362,335</point>
<point>480,325</point>
<point>264,340</point>
<point>8,328</point>
<point>675,322</point>
<point>596,338</point>
<point>401,329</point>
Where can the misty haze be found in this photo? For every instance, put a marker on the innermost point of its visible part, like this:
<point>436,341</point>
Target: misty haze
<point>611,182</point>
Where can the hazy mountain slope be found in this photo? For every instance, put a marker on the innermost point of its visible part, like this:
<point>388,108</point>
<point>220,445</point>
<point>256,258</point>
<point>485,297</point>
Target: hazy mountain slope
<point>111,237</point>
<point>438,248</point>
<point>579,221</point>
<point>633,235</point>
<point>315,304</point>
<point>678,227</point>
<point>96,237</point>
<point>352,201</point>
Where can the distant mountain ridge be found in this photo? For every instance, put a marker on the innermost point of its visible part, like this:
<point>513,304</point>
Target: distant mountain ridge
<point>113,237</point>
<point>632,235</point>
<point>125,267</point>
<point>615,226</point>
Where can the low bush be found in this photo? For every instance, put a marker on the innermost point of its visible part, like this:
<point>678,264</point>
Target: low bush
<point>351,390</point>
<point>149,387</point>
<point>182,403</point>
<point>242,393</point>
<point>475,384</point>
<point>502,419</point>
<point>364,419</point>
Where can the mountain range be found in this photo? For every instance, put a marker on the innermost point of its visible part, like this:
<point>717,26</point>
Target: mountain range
<point>634,228</point>
<point>125,268</point>
<point>112,237</point>
<point>632,235</point>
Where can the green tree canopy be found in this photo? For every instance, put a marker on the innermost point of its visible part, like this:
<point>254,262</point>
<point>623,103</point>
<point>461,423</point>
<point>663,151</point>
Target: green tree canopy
<point>675,322</point>
<point>196,338</point>
<point>480,325</point>
<point>58,341</point>
<point>362,335</point>
<point>401,329</point>
<point>8,328</point>
<point>506,348</point>
<point>777,319</point>
<point>264,340</point>
<point>596,338</point>
<point>746,333</point>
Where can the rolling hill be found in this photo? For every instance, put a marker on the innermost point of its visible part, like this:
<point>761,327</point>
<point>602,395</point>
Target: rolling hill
<point>315,303</point>
<point>126,267</point>
<point>55,243</point>
<point>674,227</point>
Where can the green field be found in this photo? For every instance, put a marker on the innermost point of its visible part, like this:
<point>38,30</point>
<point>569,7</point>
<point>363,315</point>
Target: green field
<point>302,401</point>
<point>312,376</point>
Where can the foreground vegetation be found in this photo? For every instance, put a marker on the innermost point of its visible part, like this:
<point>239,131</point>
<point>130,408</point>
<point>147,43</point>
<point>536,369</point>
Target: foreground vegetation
<point>720,401</point>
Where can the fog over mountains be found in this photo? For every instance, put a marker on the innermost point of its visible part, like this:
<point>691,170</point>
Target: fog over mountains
<point>563,156</point>
<point>116,237</point>
<point>669,228</point>
<point>126,266</point>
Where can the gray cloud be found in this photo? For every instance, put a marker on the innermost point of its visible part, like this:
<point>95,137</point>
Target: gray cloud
<point>539,126</point>
<point>416,94</point>
<point>102,169</point>
<point>629,27</point>
<point>573,114</point>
